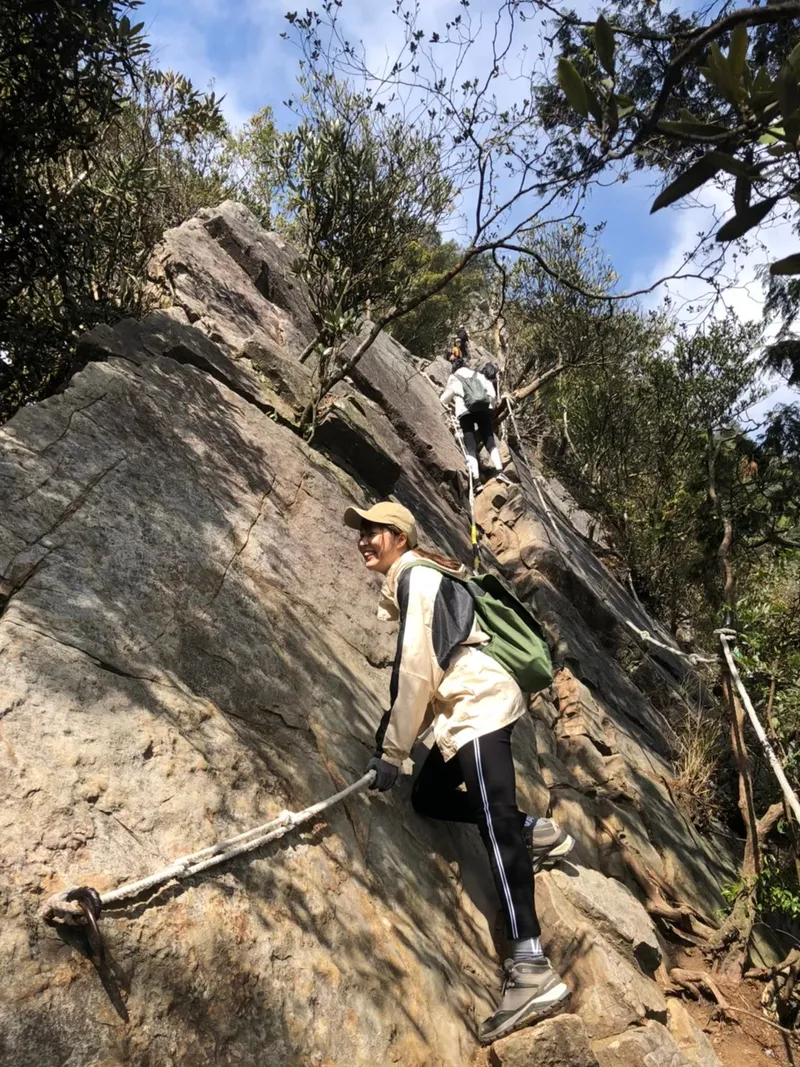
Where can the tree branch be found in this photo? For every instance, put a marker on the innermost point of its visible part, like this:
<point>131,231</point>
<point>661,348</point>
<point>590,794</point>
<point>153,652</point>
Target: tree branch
<point>756,16</point>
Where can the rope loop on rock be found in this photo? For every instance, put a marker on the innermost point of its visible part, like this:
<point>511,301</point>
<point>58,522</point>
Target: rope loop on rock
<point>82,905</point>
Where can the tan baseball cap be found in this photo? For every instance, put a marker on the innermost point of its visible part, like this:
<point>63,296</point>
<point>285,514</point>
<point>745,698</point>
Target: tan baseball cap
<point>385,514</point>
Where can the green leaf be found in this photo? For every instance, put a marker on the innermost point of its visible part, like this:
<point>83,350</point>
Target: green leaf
<point>762,83</point>
<point>788,265</point>
<point>793,59</point>
<point>572,87</point>
<point>605,44</point>
<point>594,104</point>
<point>737,167</point>
<point>788,91</point>
<point>722,75</point>
<point>698,130</point>
<point>611,117</point>
<point>760,100</point>
<point>737,52</point>
<point>687,182</point>
<point>746,220</point>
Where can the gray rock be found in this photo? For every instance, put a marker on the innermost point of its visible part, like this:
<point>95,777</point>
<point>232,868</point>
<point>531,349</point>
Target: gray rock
<point>386,376</point>
<point>193,271</point>
<point>614,911</point>
<point>438,370</point>
<point>265,257</point>
<point>558,1042</point>
<point>691,1040</point>
<point>193,653</point>
<point>168,333</point>
<point>650,1045</point>
<point>344,431</point>
<point>288,377</point>
<point>609,992</point>
<point>188,645</point>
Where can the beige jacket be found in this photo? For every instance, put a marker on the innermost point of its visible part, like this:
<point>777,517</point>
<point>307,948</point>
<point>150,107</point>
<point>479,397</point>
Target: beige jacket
<point>440,673</point>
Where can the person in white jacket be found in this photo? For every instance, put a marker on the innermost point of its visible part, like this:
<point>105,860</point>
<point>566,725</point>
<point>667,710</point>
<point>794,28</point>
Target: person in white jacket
<point>474,397</point>
<point>442,677</point>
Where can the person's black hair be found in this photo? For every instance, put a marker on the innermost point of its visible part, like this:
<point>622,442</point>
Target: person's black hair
<point>490,371</point>
<point>457,364</point>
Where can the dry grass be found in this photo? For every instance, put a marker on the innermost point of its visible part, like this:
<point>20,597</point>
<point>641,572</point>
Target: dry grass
<point>695,783</point>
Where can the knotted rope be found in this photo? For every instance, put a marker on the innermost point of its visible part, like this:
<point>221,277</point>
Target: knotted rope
<point>71,905</point>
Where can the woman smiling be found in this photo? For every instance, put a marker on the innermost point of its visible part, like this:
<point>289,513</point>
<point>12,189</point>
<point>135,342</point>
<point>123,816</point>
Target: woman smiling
<point>441,675</point>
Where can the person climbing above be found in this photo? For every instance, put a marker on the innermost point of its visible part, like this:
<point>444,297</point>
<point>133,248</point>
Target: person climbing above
<point>463,339</point>
<point>491,372</point>
<point>455,351</point>
<point>474,396</point>
<point>441,675</point>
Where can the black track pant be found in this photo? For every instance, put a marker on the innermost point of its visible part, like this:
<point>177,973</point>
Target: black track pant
<point>486,768</point>
<point>473,423</point>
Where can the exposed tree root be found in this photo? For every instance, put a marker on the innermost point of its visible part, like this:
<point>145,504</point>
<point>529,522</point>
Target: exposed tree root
<point>660,901</point>
<point>731,943</point>
<point>763,1019</point>
<point>693,982</point>
<point>792,961</point>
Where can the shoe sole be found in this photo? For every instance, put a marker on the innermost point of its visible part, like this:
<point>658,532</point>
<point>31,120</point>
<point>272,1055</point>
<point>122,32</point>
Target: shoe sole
<point>556,854</point>
<point>530,1013</point>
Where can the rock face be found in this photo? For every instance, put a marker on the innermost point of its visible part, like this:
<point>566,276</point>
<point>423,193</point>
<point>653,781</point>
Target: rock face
<point>188,645</point>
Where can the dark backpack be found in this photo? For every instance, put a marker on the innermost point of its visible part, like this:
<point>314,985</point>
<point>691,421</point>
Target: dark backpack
<point>516,640</point>
<point>475,396</point>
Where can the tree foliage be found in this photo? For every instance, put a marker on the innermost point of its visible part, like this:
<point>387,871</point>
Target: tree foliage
<point>710,97</point>
<point>249,164</point>
<point>357,188</point>
<point>102,153</point>
<point>428,331</point>
<point>553,327</point>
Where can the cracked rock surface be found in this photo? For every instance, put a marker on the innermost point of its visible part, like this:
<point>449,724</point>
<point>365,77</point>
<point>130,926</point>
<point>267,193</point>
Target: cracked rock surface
<point>188,645</point>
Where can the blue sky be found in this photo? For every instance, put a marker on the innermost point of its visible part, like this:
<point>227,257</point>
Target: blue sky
<point>236,45</point>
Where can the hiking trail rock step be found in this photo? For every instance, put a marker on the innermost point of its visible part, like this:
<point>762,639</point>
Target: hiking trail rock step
<point>650,1045</point>
<point>558,1042</point>
<point>188,646</point>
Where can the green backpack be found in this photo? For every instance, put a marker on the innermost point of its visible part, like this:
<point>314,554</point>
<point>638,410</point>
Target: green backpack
<point>516,640</point>
<point>475,396</point>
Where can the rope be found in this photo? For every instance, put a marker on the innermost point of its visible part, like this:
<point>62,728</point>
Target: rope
<point>643,635</point>
<point>473,531</point>
<point>777,768</point>
<point>58,908</point>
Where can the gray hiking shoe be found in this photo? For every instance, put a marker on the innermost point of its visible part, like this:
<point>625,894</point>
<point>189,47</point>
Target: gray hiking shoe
<point>546,842</point>
<point>531,990</point>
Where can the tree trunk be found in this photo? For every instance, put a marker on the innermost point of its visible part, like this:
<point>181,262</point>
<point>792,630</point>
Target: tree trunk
<point>733,938</point>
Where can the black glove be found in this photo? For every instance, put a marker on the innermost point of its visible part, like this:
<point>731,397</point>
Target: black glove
<point>385,774</point>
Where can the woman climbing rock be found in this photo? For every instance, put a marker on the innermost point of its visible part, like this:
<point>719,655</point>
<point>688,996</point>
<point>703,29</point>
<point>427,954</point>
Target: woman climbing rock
<point>441,676</point>
<point>474,397</point>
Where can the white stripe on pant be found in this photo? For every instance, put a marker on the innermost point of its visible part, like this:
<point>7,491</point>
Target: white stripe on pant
<point>512,915</point>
